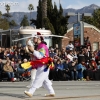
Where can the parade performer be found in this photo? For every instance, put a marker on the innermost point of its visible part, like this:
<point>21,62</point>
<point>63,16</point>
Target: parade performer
<point>33,72</point>
<point>43,63</point>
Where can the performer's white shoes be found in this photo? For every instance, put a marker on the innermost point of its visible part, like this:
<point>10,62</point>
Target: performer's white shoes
<point>28,94</point>
<point>49,95</point>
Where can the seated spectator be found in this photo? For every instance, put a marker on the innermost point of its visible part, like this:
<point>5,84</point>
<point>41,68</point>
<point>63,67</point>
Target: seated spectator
<point>52,53</point>
<point>73,70</point>
<point>91,70</point>
<point>98,65</point>
<point>59,70</point>
<point>59,65</point>
<point>80,69</point>
<point>9,70</point>
<point>1,68</point>
<point>16,56</point>
<point>59,54</point>
<point>63,54</point>
<point>66,69</point>
<point>1,53</point>
<point>19,68</point>
<point>13,62</point>
<point>8,59</point>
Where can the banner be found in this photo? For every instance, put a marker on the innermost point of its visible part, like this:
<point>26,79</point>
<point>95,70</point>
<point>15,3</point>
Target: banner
<point>77,34</point>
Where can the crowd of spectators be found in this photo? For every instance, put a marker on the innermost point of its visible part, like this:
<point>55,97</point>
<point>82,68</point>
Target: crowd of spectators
<point>75,63</point>
<point>70,63</point>
<point>10,62</point>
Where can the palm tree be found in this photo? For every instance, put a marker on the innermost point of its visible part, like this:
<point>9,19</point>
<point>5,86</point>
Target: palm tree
<point>30,7</point>
<point>44,10</point>
<point>7,15</point>
<point>7,7</point>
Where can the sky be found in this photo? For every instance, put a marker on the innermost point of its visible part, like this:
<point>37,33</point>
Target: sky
<point>22,5</point>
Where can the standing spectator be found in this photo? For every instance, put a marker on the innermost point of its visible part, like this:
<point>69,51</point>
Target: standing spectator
<point>87,54</point>
<point>87,43</point>
<point>70,45</point>
<point>81,57</point>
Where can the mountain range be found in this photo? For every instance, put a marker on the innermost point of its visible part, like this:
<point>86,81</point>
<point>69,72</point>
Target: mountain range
<point>18,16</point>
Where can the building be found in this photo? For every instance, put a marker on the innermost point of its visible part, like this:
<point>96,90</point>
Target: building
<point>6,37</point>
<point>89,31</point>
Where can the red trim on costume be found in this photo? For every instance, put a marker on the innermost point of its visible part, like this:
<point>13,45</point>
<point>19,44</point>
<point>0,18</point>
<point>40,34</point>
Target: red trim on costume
<point>43,61</point>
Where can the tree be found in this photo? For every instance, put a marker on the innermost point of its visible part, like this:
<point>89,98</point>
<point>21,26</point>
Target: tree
<point>30,7</point>
<point>48,25</point>
<point>24,21</point>
<point>94,20</point>
<point>7,15</point>
<point>44,10</point>
<point>39,14</point>
<point>38,22</point>
<point>12,23</point>
<point>4,24</point>
<point>49,9</point>
<point>7,7</point>
<point>0,14</point>
<point>59,23</point>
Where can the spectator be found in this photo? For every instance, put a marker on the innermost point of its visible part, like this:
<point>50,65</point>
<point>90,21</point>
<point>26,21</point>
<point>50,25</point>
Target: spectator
<point>9,70</point>
<point>16,56</point>
<point>70,46</point>
<point>73,70</point>
<point>98,65</point>
<point>1,69</point>
<point>59,70</point>
<point>91,70</point>
<point>80,69</point>
<point>52,53</point>
<point>66,69</point>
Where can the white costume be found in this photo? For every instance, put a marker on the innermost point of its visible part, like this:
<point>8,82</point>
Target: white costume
<point>33,74</point>
<point>41,78</point>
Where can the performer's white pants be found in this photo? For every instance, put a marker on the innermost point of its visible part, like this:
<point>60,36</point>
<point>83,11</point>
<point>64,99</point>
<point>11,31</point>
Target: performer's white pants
<point>33,74</point>
<point>41,79</point>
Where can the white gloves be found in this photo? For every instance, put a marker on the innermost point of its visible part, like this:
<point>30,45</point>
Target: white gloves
<point>30,43</point>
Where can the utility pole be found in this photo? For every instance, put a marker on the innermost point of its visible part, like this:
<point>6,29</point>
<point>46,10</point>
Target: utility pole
<point>79,26</point>
<point>59,4</point>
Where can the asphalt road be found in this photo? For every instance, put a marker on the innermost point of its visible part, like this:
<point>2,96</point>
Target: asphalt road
<point>65,90</point>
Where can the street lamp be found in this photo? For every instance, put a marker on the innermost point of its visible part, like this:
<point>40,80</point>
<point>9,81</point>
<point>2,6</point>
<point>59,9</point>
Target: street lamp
<point>78,28</point>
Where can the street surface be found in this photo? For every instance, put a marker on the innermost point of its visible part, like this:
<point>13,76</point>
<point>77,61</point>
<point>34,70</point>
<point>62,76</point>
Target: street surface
<point>65,90</point>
